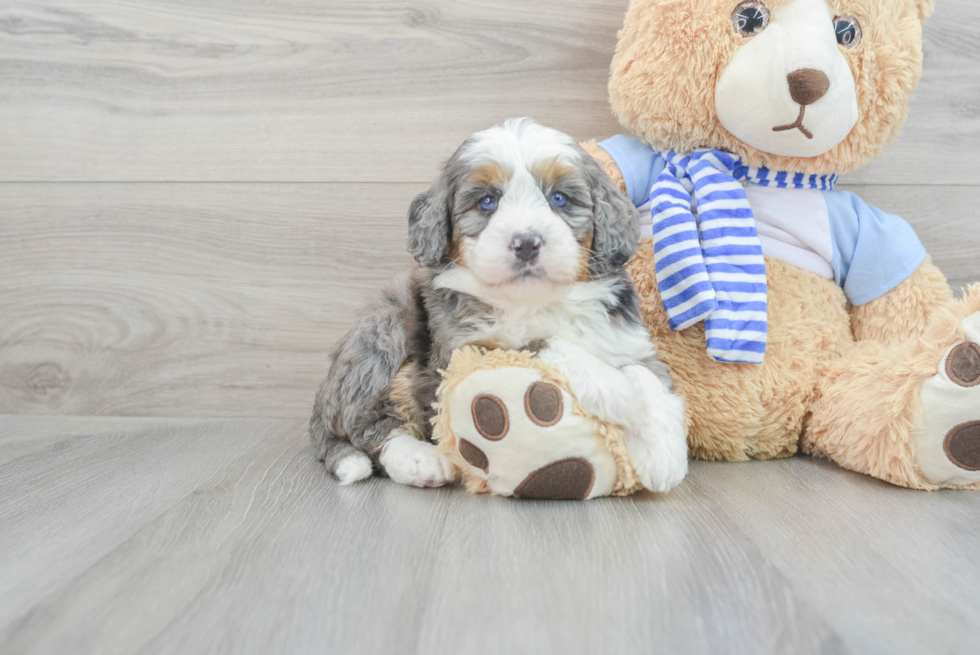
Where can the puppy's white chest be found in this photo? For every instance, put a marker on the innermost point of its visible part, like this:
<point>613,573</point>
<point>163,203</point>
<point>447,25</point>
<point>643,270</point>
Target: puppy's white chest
<point>588,325</point>
<point>580,314</point>
<point>516,328</point>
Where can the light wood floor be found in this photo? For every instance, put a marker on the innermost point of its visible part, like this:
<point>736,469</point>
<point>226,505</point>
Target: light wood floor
<point>194,198</point>
<point>123,535</point>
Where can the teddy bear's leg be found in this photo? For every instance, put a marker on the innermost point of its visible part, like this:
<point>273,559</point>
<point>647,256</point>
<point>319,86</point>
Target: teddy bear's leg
<point>516,433</point>
<point>905,311</point>
<point>947,442</point>
<point>908,413</point>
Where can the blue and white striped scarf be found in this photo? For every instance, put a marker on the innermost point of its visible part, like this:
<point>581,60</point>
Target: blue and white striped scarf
<point>710,268</point>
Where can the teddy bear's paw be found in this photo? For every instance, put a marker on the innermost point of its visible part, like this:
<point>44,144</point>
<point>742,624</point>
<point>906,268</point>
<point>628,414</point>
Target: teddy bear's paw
<point>947,444</point>
<point>416,463</point>
<point>567,479</point>
<point>520,434</point>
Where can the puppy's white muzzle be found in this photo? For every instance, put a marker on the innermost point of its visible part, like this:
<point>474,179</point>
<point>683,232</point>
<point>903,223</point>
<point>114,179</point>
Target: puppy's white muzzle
<point>522,243</point>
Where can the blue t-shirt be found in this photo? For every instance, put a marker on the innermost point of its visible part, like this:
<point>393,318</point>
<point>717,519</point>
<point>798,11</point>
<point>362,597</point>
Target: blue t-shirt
<point>833,233</point>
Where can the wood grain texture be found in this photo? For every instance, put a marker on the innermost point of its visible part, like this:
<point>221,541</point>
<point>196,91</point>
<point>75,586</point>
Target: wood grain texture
<point>258,551</point>
<point>64,506</point>
<point>945,220</point>
<point>203,300</point>
<point>366,90</point>
<point>194,200</point>
<point>884,566</point>
<point>292,90</point>
<point>225,299</point>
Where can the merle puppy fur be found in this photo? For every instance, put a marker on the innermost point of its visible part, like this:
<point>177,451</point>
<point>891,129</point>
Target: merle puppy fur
<point>384,373</point>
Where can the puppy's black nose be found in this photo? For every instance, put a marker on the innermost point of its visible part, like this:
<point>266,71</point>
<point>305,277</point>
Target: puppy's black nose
<point>526,246</point>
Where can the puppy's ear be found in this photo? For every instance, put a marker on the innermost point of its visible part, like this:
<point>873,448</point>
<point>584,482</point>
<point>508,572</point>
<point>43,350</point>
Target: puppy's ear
<point>616,232</point>
<point>430,223</point>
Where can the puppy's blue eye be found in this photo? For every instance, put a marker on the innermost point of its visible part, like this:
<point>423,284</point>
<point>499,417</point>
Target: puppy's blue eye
<point>559,199</point>
<point>488,203</point>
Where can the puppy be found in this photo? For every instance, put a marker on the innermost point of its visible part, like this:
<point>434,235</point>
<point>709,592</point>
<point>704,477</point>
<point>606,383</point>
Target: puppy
<point>521,243</point>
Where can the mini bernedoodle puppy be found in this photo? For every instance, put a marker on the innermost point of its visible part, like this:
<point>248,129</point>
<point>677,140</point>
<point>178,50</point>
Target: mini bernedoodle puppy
<point>521,244</point>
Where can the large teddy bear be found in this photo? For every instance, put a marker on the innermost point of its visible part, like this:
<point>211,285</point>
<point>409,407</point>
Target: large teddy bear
<point>793,317</point>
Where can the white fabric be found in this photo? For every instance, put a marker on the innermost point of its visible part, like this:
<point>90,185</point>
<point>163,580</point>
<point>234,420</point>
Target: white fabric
<point>945,405</point>
<point>794,225</point>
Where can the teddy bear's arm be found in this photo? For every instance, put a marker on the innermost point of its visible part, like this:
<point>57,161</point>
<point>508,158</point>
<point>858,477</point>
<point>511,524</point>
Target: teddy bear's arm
<point>904,312</point>
<point>608,164</point>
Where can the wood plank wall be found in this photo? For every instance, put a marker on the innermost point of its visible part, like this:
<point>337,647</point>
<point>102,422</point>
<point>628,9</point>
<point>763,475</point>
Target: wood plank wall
<point>194,197</point>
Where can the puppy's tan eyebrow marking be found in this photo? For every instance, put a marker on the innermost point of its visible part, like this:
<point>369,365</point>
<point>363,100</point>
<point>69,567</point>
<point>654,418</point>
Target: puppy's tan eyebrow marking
<point>551,172</point>
<point>490,175</point>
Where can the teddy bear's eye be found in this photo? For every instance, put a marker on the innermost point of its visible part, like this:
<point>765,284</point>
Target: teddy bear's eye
<point>750,18</point>
<point>848,31</point>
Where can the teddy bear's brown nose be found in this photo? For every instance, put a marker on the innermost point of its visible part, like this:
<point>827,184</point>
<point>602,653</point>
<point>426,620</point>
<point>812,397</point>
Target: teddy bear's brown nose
<point>807,85</point>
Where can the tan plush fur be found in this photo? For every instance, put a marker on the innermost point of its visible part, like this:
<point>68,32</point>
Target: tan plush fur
<point>837,381</point>
<point>866,407</point>
<point>469,360</point>
<point>743,411</point>
<point>904,313</point>
<point>671,52</point>
<point>607,163</point>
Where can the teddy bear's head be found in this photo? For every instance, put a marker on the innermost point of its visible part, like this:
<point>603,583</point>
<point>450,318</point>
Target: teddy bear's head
<point>813,86</point>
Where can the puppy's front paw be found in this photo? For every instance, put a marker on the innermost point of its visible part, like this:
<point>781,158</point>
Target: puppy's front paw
<point>600,388</point>
<point>659,470</point>
<point>657,439</point>
<point>417,463</point>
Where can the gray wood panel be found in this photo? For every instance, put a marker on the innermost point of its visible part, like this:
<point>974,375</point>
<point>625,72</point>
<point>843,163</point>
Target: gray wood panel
<point>258,551</point>
<point>225,299</point>
<point>128,287</point>
<point>884,566</point>
<point>292,90</point>
<point>366,90</point>
<point>946,220</point>
<point>204,300</point>
<point>66,505</point>
<point>23,435</point>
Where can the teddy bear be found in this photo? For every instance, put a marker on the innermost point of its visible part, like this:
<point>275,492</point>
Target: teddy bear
<point>793,317</point>
<point>520,413</point>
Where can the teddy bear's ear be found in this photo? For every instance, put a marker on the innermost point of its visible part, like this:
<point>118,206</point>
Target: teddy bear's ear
<point>925,8</point>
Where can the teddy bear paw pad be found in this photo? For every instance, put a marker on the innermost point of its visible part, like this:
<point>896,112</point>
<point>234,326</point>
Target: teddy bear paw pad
<point>948,442</point>
<point>962,446</point>
<point>519,433</point>
<point>568,479</point>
